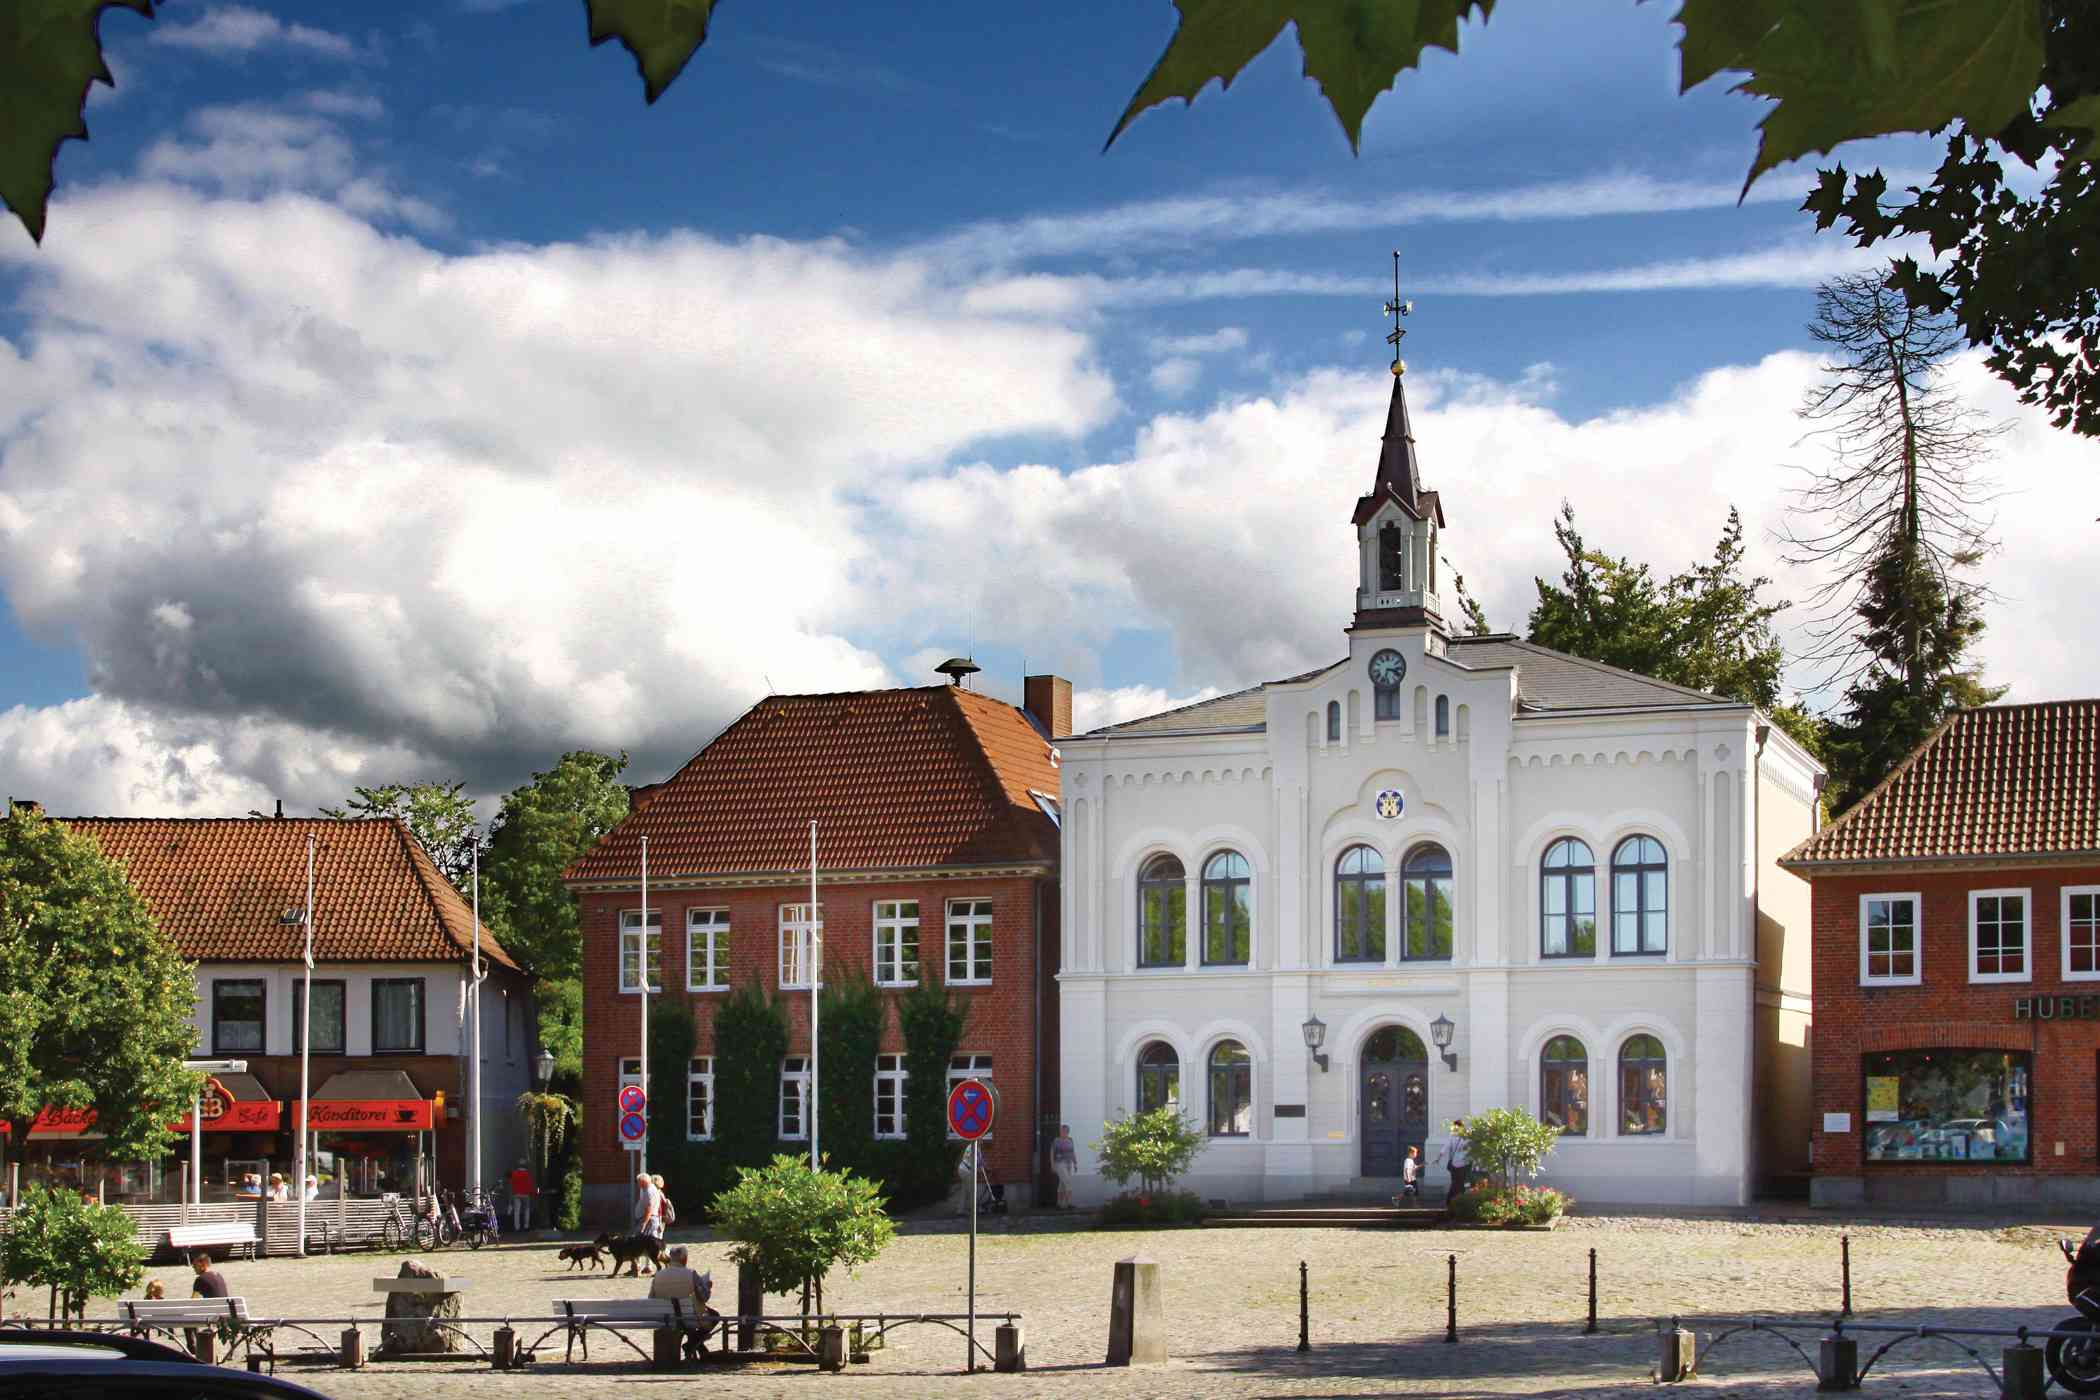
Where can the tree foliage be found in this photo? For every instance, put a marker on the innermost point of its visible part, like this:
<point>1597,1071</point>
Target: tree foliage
<point>1155,1147</point>
<point>73,1247</point>
<point>1507,1142</point>
<point>849,1019</point>
<point>439,815</point>
<point>795,1225</point>
<point>751,1037</point>
<point>96,1006</point>
<point>933,1019</point>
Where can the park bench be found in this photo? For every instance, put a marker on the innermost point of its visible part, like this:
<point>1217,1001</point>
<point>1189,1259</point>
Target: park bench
<point>218,1316</point>
<point>228,1235</point>
<point>620,1315</point>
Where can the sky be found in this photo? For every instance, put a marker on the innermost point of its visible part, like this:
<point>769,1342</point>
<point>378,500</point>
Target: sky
<point>397,397</point>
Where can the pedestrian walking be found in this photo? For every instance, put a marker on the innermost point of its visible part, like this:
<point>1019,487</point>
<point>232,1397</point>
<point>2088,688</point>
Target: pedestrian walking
<point>1411,1173</point>
<point>666,1213</point>
<point>522,1191</point>
<point>648,1206</point>
<point>1456,1164</point>
<point>1064,1161</point>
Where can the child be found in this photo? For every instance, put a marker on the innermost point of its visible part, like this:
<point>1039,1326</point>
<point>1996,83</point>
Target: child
<point>1410,1172</point>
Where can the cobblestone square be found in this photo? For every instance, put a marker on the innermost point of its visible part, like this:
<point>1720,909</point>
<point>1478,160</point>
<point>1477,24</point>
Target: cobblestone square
<point>1377,1309</point>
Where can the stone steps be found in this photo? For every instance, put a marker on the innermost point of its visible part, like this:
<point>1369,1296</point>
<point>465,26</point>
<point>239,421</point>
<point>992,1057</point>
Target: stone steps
<point>1329,1217</point>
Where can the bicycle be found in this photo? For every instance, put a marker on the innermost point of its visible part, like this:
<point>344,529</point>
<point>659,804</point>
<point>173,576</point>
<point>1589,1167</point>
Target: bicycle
<point>398,1228</point>
<point>478,1222</point>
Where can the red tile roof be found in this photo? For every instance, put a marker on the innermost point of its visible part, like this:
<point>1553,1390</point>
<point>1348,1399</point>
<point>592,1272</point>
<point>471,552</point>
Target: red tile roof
<point>218,887</point>
<point>2004,780</point>
<point>895,779</point>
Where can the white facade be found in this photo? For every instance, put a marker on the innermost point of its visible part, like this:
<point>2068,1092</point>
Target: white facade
<point>1290,775</point>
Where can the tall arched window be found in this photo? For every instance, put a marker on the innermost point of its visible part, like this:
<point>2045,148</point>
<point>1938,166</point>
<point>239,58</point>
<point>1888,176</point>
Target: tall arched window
<point>1426,877</point>
<point>1564,1086</point>
<point>1163,923</point>
<point>1231,1090</point>
<point>1640,897</point>
<point>1385,703</point>
<point>1228,910</point>
<point>1568,901</point>
<point>1643,1087</point>
<point>1158,1077</point>
<point>1359,906</point>
<point>1334,721</point>
<point>1443,715</point>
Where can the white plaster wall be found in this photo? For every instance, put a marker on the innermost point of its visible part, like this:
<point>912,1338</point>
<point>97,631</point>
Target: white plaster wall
<point>283,985</point>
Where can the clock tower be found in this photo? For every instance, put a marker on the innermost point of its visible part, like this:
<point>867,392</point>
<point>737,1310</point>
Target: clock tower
<point>1398,522</point>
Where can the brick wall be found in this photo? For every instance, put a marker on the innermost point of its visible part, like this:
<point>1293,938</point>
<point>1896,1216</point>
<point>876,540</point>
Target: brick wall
<point>1946,1009</point>
<point>1004,1018</point>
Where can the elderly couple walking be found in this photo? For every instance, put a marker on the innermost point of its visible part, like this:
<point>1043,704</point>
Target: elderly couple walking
<point>653,1212</point>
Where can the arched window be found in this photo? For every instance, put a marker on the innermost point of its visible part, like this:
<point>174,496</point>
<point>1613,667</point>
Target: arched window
<point>1643,1087</point>
<point>1426,876</point>
<point>1568,901</point>
<point>1443,715</point>
<point>1163,922</point>
<point>1564,1086</point>
<point>1334,721</point>
<point>1640,897</point>
<point>1359,906</point>
<point>1386,701</point>
<point>1392,558</point>
<point>1158,1077</point>
<point>1228,910</point>
<point>1231,1090</point>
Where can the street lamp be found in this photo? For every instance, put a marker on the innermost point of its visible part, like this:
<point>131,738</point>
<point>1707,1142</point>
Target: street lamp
<point>297,918</point>
<point>543,1067</point>
<point>197,1119</point>
<point>1440,1033</point>
<point>1315,1036</point>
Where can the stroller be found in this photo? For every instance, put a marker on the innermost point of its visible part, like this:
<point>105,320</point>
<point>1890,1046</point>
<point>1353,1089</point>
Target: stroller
<point>991,1193</point>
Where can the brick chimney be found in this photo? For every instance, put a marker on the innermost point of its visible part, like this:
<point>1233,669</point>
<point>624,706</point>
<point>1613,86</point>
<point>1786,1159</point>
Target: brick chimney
<point>1049,699</point>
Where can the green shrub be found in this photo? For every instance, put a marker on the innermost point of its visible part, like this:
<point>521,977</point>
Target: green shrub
<point>921,1169</point>
<point>1153,1147</point>
<point>751,1038</point>
<point>568,1212</point>
<point>1506,1142</point>
<point>1163,1208</point>
<point>75,1248</point>
<point>795,1225</point>
<point>1513,1205</point>
<point>849,1020</point>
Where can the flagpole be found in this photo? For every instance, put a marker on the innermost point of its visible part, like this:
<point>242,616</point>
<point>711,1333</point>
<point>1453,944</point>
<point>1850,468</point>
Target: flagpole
<point>306,1047</point>
<point>816,975</point>
<point>643,1148</point>
<point>474,1065</point>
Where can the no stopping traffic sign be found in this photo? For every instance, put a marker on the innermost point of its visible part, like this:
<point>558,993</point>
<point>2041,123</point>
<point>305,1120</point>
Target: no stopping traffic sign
<point>971,1108</point>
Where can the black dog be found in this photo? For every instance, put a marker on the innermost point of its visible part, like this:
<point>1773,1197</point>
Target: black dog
<point>577,1255</point>
<point>631,1250</point>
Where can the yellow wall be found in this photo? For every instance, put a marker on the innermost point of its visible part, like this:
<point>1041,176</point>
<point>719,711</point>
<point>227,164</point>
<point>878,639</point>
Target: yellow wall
<point>1783,1086</point>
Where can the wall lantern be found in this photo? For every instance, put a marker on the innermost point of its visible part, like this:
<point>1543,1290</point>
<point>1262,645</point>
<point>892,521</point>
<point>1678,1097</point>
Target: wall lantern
<point>1315,1036</point>
<point>544,1066</point>
<point>1440,1032</point>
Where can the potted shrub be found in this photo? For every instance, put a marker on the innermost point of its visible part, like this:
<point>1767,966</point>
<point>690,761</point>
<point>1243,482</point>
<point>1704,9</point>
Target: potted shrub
<point>1151,1148</point>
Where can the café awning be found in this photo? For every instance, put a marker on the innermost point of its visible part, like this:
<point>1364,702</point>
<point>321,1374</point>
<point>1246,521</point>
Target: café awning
<point>236,1103</point>
<point>369,1100</point>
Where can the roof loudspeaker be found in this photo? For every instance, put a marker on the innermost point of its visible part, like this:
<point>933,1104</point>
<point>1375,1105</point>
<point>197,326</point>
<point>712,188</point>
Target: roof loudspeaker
<point>957,667</point>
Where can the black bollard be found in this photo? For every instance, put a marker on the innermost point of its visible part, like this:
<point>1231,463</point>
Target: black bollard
<point>1845,1248</point>
<point>1304,1309</point>
<point>1592,1327</point>
<point>1451,1301</point>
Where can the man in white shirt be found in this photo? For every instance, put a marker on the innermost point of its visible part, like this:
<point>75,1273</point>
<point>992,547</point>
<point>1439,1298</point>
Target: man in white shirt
<point>692,1290</point>
<point>648,1207</point>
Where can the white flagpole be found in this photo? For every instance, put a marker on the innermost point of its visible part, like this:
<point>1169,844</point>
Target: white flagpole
<point>306,1047</point>
<point>474,1065</point>
<point>643,1147</point>
<point>816,975</point>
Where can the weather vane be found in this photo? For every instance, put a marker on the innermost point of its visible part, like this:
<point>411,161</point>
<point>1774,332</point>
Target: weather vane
<point>1396,309</point>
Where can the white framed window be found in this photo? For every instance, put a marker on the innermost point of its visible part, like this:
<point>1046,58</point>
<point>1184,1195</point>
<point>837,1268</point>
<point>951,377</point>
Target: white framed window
<point>969,940</point>
<point>707,950</point>
<point>1999,948</point>
<point>700,1100</point>
<point>889,1096</point>
<point>631,951</point>
<point>2080,922</point>
<point>794,1097</point>
<point>797,931</point>
<point>896,943</point>
<point>1889,952</point>
<point>961,1067</point>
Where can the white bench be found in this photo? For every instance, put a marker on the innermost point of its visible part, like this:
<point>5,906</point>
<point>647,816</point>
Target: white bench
<point>618,1315</point>
<point>229,1234</point>
<point>151,1315</point>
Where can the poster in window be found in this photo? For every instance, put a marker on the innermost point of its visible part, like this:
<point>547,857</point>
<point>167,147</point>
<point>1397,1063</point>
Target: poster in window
<point>1882,1098</point>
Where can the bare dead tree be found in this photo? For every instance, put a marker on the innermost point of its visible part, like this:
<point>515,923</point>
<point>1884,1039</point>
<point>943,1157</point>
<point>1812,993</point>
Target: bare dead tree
<point>1905,470</point>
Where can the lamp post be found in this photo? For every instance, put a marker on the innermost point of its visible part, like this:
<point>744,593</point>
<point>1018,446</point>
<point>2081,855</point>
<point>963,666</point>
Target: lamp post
<point>1440,1033</point>
<point>1315,1036</point>
<point>816,975</point>
<point>474,1064</point>
<point>642,1147</point>
<point>197,1119</point>
<point>304,919</point>
<point>543,1067</point>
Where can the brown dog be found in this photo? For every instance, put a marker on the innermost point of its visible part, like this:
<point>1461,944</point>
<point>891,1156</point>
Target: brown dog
<point>578,1255</point>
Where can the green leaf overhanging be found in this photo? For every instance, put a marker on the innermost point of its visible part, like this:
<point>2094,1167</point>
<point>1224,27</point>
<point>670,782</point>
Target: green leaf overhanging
<point>50,51</point>
<point>662,35</point>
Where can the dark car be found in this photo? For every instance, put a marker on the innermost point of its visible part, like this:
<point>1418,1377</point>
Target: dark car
<point>36,1364</point>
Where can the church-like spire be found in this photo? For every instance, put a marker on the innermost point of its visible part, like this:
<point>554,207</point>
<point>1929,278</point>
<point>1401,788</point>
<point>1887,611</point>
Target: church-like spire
<point>1399,475</point>
<point>1397,523</point>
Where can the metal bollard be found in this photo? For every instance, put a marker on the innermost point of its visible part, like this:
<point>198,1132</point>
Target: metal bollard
<point>353,1355</point>
<point>2021,1366</point>
<point>1451,1300</point>
<point>206,1346</point>
<point>1009,1348</point>
<point>1592,1326</point>
<point>1837,1363</point>
<point>667,1348</point>
<point>506,1354</point>
<point>1304,1309</point>
<point>1679,1358</point>
<point>1845,1250</point>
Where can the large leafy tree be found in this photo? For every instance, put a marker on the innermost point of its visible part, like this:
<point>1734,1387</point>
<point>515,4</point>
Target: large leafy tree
<point>77,1249</point>
<point>96,1005</point>
<point>439,815</point>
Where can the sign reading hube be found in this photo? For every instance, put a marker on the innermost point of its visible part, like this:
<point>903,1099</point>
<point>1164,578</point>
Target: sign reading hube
<point>2078,1008</point>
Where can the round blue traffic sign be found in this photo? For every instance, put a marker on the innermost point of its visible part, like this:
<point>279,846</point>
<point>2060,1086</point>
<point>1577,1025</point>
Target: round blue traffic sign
<point>970,1110</point>
<point>633,1127</point>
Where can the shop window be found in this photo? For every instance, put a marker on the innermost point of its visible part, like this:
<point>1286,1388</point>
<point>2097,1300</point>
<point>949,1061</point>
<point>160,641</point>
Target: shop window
<point>2081,926</point>
<point>237,1016</point>
<point>889,1096</point>
<point>1965,1106</point>
<point>1643,1087</point>
<point>1998,936</point>
<point>1228,910</point>
<point>1888,940</point>
<point>397,1015</point>
<point>1158,1077</point>
<point>1426,877</point>
<point>700,1099</point>
<point>1564,1086</point>
<point>329,1001</point>
<point>1568,901</point>
<point>1163,897</point>
<point>1359,906</point>
<point>1231,1090</point>
<point>897,942</point>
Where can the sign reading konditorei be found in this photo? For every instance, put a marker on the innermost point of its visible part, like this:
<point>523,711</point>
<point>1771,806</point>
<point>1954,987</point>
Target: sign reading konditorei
<point>365,1115</point>
<point>2078,1008</point>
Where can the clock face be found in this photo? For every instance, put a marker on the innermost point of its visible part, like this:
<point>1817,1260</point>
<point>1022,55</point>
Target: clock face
<point>1387,667</point>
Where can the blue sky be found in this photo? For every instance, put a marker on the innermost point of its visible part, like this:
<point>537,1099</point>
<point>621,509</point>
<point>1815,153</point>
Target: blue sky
<point>408,399</point>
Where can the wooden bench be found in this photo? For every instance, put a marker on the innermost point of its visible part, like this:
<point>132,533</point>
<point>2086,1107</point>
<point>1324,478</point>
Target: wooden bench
<point>618,1315</point>
<point>227,1235</point>
<point>167,1315</point>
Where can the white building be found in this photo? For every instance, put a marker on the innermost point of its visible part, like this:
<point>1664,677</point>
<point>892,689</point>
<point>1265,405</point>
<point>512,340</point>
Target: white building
<point>1564,867</point>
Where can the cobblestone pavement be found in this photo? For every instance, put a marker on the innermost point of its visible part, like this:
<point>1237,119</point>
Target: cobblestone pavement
<point>1377,1307</point>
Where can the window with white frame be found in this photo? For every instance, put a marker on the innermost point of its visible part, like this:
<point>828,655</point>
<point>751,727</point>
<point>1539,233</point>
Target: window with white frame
<point>2081,926</point>
<point>700,1099</point>
<point>797,931</point>
<point>969,940</point>
<point>1998,936</point>
<point>896,942</point>
<point>794,1097</point>
<point>631,951</point>
<point>889,1096</point>
<point>961,1067</point>
<point>1888,940</point>
<point>706,950</point>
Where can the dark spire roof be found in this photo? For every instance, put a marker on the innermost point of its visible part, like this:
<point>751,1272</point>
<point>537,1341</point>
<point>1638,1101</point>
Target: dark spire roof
<point>1399,473</point>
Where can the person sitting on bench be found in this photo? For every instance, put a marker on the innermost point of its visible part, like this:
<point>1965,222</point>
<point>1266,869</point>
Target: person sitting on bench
<point>692,1290</point>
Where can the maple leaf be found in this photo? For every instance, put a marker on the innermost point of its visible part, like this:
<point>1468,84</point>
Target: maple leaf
<point>662,35</point>
<point>50,50</point>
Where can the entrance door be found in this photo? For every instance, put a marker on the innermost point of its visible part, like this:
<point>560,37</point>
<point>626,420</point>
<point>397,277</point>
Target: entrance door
<point>1393,1099</point>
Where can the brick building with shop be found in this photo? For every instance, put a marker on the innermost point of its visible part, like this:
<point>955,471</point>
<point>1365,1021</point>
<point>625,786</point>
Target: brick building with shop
<point>936,811</point>
<point>1957,969</point>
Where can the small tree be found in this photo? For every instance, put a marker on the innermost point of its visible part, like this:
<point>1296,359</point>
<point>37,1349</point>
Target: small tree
<point>1506,1141</point>
<point>1154,1147</point>
<point>794,1225</point>
<point>75,1248</point>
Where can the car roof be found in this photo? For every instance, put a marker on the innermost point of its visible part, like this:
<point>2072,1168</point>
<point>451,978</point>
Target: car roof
<point>141,1367</point>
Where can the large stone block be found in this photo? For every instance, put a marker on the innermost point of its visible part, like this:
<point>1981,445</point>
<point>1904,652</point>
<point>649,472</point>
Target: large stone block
<point>1137,1315</point>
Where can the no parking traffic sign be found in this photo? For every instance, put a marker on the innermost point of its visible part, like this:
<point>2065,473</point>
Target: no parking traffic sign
<point>971,1109</point>
<point>633,1127</point>
<point>632,1099</point>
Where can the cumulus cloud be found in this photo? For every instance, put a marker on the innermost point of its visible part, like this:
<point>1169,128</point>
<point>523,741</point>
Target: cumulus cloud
<point>1096,709</point>
<point>234,30</point>
<point>255,148</point>
<point>1177,376</point>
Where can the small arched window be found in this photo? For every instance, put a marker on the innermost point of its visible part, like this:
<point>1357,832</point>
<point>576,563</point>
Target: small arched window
<point>1162,913</point>
<point>1643,1087</point>
<point>1359,906</point>
<point>1392,558</point>
<point>1426,877</point>
<point>1640,897</point>
<point>1564,1086</point>
<point>1334,721</point>
<point>1158,1077</point>
<point>1228,910</point>
<point>1568,901</point>
<point>1231,1090</point>
<point>1443,715</point>
<point>1385,702</point>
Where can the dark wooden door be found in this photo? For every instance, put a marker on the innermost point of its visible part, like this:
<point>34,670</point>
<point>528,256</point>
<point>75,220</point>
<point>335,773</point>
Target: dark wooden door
<point>1381,1120</point>
<point>1393,1099</point>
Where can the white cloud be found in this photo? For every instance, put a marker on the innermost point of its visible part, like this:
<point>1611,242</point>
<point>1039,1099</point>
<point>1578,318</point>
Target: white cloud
<point>1215,342</point>
<point>252,149</point>
<point>334,103</point>
<point>238,29</point>
<point>1096,709</point>
<point>1176,377</point>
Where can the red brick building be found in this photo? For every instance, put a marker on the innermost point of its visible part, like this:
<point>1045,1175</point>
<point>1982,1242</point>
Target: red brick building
<point>1957,969</point>
<point>936,811</point>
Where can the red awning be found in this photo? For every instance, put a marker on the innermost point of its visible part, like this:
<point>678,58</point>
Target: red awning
<point>51,1123</point>
<point>368,1115</point>
<point>236,1103</point>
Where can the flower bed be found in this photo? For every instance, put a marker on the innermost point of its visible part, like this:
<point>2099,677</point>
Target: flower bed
<point>1157,1208</point>
<point>1510,1206</point>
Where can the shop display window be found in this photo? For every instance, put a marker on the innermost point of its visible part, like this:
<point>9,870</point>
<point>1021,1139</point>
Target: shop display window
<point>1948,1106</point>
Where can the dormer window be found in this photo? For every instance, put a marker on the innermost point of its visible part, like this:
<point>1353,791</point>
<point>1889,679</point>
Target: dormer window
<point>1392,557</point>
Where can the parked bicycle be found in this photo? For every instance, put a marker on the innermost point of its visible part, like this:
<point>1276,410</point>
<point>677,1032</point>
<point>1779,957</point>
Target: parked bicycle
<point>478,1220</point>
<point>399,1228</point>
